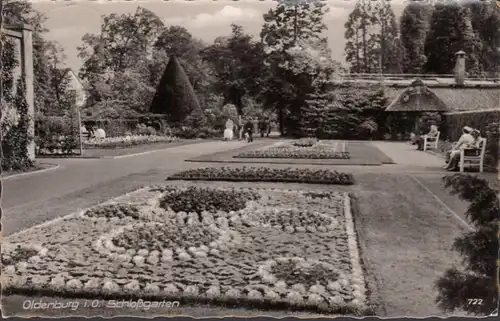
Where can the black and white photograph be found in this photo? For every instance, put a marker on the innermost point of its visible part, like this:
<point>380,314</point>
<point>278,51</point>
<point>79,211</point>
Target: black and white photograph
<point>303,158</point>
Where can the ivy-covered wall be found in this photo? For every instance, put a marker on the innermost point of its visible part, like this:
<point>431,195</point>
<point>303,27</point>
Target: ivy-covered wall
<point>15,121</point>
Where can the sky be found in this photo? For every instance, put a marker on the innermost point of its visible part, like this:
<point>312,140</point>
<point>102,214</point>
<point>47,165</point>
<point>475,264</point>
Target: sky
<point>69,20</point>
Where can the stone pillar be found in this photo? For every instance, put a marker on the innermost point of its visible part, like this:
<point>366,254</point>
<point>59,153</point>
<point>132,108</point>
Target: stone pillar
<point>27,72</point>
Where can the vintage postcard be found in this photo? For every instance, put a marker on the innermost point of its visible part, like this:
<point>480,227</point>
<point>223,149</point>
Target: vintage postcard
<point>307,158</point>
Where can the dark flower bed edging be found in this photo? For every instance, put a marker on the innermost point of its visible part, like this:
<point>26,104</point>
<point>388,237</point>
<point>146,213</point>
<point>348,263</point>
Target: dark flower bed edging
<point>263,174</point>
<point>256,154</point>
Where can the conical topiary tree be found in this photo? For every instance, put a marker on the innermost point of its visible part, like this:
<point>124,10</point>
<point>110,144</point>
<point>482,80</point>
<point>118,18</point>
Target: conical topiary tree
<point>175,97</point>
<point>473,288</point>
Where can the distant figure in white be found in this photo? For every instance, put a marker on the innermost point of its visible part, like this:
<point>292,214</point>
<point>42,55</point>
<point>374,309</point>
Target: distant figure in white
<point>100,133</point>
<point>229,131</point>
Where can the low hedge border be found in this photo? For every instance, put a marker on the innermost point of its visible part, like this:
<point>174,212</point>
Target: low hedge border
<point>256,174</point>
<point>263,154</point>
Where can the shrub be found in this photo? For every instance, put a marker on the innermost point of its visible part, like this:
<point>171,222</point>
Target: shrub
<point>479,249</point>
<point>367,128</point>
<point>198,200</point>
<point>175,96</point>
<point>142,129</point>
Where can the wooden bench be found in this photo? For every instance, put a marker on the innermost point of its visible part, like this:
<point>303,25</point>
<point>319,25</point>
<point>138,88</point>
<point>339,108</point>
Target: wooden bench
<point>431,142</point>
<point>473,156</point>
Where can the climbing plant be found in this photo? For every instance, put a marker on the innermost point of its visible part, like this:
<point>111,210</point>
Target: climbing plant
<point>15,120</point>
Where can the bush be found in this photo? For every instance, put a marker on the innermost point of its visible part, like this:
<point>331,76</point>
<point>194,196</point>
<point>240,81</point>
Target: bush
<point>367,129</point>
<point>198,200</point>
<point>305,142</point>
<point>142,129</point>
<point>479,249</point>
<point>263,174</point>
<point>56,135</point>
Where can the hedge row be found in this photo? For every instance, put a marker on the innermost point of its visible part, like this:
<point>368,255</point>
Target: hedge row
<point>488,122</point>
<point>454,122</point>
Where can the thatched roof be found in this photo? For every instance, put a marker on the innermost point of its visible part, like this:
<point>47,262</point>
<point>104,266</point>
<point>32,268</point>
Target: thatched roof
<point>475,95</point>
<point>418,98</point>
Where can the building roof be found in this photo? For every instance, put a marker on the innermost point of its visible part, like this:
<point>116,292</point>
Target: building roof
<point>417,98</point>
<point>475,94</point>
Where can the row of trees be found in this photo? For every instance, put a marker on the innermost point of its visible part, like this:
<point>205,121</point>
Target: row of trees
<point>124,63</point>
<point>426,38</point>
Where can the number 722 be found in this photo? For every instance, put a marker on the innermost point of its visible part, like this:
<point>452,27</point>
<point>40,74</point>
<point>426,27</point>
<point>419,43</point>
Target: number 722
<point>475,301</point>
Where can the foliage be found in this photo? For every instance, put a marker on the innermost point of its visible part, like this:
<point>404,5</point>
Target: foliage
<point>454,122</point>
<point>428,119</point>
<point>119,57</point>
<point>451,31</point>
<point>372,35</point>
<point>114,210</point>
<point>175,96</point>
<point>127,141</point>
<point>290,25</point>
<point>264,174</point>
<point>230,111</point>
<point>198,200</point>
<point>17,136</point>
<point>56,134</point>
<point>415,23</point>
<point>237,62</point>
<point>368,128</point>
<point>485,20</point>
<point>478,248</point>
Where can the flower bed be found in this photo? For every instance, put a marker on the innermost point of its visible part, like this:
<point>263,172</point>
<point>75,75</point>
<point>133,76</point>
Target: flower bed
<point>264,174</point>
<point>127,141</point>
<point>302,149</point>
<point>283,249</point>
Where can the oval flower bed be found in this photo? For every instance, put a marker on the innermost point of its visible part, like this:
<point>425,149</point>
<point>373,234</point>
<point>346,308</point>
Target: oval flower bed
<point>127,141</point>
<point>264,174</point>
<point>212,253</point>
<point>302,149</point>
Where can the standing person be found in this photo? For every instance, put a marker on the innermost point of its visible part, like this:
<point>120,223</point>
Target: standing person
<point>262,126</point>
<point>268,126</point>
<point>248,129</point>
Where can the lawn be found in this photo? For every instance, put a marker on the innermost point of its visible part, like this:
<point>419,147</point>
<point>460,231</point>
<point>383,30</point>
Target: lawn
<point>199,244</point>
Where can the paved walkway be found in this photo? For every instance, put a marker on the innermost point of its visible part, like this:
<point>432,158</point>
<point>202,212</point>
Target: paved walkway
<point>79,183</point>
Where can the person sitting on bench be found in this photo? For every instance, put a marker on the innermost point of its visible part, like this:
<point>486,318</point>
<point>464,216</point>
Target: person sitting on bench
<point>469,139</point>
<point>433,132</point>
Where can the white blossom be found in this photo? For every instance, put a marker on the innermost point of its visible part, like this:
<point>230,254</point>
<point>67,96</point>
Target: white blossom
<point>110,287</point>
<point>74,284</point>
<point>213,291</point>
<point>152,288</point>
<point>132,287</point>
<point>191,290</point>
<point>170,289</point>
